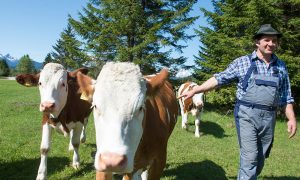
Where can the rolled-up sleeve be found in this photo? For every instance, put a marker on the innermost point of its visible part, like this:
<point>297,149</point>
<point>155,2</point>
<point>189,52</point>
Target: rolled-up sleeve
<point>228,75</point>
<point>285,91</point>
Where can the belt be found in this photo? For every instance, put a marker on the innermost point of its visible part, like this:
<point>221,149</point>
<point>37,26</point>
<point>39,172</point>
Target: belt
<point>257,106</point>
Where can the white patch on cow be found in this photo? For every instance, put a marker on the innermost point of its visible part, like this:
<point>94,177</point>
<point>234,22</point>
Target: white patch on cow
<point>118,101</point>
<point>53,87</point>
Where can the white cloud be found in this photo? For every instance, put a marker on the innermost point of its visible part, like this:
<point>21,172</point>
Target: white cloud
<point>183,73</point>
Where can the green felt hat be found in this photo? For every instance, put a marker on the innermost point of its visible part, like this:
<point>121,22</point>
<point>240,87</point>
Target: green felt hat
<point>266,29</point>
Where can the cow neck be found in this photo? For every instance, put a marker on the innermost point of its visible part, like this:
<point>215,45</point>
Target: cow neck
<point>62,119</point>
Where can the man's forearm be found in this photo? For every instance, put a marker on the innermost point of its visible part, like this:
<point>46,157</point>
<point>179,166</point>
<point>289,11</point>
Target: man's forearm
<point>289,112</point>
<point>208,85</point>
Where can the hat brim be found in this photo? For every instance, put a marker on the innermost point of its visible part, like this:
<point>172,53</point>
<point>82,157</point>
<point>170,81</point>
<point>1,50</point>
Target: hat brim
<point>279,35</point>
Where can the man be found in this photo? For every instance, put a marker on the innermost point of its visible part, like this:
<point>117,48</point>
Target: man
<point>263,85</point>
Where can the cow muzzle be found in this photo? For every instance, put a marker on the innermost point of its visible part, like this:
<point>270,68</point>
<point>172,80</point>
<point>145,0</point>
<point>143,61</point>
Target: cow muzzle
<point>199,105</point>
<point>47,106</point>
<point>112,162</point>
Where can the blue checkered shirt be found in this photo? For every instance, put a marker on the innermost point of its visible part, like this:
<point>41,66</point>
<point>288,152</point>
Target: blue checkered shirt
<point>239,67</point>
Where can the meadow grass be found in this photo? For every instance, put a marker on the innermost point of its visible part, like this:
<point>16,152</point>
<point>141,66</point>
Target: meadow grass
<point>212,156</point>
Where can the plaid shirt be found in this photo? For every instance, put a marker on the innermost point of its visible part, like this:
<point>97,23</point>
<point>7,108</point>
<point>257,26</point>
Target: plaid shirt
<point>239,67</point>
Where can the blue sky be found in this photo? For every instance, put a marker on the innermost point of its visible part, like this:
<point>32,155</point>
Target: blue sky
<point>33,26</point>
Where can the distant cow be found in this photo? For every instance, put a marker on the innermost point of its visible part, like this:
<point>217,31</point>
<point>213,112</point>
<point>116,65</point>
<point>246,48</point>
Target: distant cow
<point>134,117</point>
<point>193,105</point>
<point>62,108</point>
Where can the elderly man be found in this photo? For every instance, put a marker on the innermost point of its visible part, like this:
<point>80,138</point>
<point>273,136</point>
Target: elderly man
<point>263,86</point>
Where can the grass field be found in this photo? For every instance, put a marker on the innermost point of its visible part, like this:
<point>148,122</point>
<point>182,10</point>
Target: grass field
<point>212,156</point>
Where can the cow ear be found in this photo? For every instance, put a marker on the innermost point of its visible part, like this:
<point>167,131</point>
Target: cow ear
<point>154,82</point>
<point>28,80</point>
<point>82,70</point>
<point>86,86</point>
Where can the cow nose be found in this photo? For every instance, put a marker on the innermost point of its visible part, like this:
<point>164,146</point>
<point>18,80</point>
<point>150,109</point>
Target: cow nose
<point>112,162</point>
<point>47,106</point>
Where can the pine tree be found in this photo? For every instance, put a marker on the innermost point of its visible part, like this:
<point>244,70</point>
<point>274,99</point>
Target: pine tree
<point>232,26</point>
<point>25,65</point>
<point>48,59</point>
<point>4,69</point>
<point>68,50</point>
<point>139,31</point>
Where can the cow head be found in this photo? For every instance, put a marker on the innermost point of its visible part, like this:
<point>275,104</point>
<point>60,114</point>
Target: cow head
<point>119,108</point>
<point>53,86</point>
<point>197,98</point>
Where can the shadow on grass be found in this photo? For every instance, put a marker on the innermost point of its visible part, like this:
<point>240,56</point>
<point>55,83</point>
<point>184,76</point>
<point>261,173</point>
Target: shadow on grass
<point>208,128</point>
<point>196,170</point>
<point>28,168</point>
<point>274,178</point>
<point>84,169</point>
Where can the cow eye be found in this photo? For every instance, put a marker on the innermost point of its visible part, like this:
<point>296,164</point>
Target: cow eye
<point>40,83</point>
<point>63,84</point>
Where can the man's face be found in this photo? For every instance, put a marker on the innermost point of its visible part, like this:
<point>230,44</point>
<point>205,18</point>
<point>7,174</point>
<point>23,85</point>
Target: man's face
<point>267,44</point>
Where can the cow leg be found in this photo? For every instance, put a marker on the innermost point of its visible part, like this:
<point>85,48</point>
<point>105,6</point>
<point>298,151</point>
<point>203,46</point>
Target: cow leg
<point>183,115</point>
<point>71,148</point>
<point>184,118</point>
<point>83,133</point>
<point>138,175</point>
<point>156,169</point>
<point>103,175</point>
<point>75,140</point>
<point>45,147</point>
<point>197,125</point>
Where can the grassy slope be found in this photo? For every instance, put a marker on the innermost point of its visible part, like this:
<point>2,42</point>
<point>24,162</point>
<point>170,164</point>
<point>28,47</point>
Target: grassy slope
<point>212,156</point>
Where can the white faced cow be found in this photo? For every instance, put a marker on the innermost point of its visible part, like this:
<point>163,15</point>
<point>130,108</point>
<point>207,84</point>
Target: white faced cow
<point>134,117</point>
<point>62,108</point>
<point>193,105</point>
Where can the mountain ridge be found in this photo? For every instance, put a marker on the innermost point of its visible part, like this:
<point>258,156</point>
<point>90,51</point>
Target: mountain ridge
<point>12,62</point>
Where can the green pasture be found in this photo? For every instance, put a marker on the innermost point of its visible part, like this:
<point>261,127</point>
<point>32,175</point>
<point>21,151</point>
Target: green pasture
<point>212,156</point>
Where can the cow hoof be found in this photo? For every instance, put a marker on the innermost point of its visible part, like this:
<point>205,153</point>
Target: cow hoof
<point>76,165</point>
<point>197,135</point>
<point>41,177</point>
<point>185,127</point>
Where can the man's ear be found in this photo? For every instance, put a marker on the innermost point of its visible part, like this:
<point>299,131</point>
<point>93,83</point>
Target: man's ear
<point>86,86</point>
<point>28,80</point>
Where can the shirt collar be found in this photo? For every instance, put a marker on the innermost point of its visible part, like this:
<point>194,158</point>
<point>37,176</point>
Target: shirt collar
<point>254,57</point>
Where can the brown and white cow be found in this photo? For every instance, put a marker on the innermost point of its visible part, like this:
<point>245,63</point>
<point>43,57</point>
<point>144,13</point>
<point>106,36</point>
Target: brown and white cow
<point>134,117</point>
<point>192,105</point>
<point>62,108</point>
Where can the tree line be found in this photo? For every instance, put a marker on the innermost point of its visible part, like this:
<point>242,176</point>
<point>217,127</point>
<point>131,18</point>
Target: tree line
<point>25,65</point>
<point>147,32</point>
